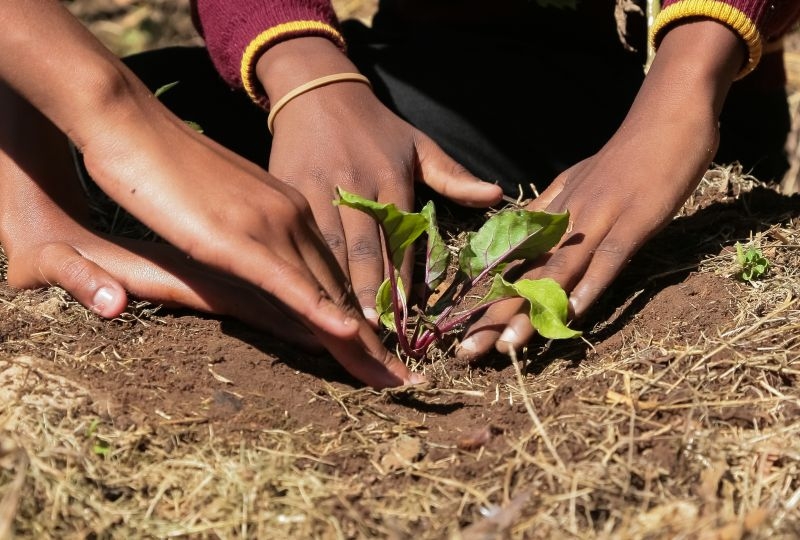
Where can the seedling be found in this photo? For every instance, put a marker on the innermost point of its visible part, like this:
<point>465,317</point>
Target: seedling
<point>506,237</point>
<point>100,447</point>
<point>752,263</point>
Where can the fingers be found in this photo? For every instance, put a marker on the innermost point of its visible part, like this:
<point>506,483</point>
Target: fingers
<point>362,353</point>
<point>60,264</point>
<point>334,316</point>
<point>161,274</point>
<point>543,201</point>
<point>364,357</point>
<point>99,278</point>
<point>506,324</point>
<point>301,292</point>
<point>368,360</point>
<point>449,178</point>
<point>364,259</point>
<point>484,333</point>
<point>607,262</point>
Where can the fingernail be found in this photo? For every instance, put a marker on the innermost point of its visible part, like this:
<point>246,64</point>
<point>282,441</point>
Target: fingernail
<point>469,346</point>
<point>573,306</point>
<point>371,314</point>
<point>467,350</point>
<point>416,378</point>
<point>509,335</point>
<point>103,298</point>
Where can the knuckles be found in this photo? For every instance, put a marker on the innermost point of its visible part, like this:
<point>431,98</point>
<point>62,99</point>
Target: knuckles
<point>364,249</point>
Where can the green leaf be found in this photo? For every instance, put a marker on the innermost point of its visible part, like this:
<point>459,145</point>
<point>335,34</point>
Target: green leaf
<point>500,289</point>
<point>194,125</point>
<point>548,307</point>
<point>511,235</point>
<point>753,265</point>
<point>383,305</point>
<point>740,254</point>
<point>437,255</point>
<point>166,88</point>
<point>92,429</point>
<point>401,228</point>
<point>548,303</point>
<point>101,449</point>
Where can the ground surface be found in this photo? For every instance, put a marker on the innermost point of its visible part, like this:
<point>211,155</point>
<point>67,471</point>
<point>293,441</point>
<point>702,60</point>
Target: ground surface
<point>675,417</point>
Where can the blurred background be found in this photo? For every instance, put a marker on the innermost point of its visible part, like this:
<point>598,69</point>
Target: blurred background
<point>130,26</point>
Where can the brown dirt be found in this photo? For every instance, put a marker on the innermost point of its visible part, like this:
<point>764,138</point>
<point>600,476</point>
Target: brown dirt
<point>673,417</point>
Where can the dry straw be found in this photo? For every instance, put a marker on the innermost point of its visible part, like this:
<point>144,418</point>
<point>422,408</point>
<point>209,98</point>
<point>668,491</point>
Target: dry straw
<point>666,434</point>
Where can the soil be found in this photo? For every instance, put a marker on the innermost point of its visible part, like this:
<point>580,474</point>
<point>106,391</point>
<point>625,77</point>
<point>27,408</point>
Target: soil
<point>184,379</point>
<point>181,367</point>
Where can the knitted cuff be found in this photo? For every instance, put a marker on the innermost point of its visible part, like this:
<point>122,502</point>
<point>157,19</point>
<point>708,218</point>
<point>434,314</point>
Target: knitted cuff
<point>273,36</point>
<point>723,12</point>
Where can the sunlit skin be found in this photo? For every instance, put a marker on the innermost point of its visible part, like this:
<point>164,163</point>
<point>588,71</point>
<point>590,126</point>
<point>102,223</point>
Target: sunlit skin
<point>213,206</point>
<point>45,232</point>
<point>378,157</point>
<point>635,184</point>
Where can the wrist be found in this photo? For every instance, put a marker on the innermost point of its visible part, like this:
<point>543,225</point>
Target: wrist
<point>696,64</point>
<point>289,64</point>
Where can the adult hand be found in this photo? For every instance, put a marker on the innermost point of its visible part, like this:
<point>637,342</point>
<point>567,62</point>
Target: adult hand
<point>635,184</point>
<point>342,135</point>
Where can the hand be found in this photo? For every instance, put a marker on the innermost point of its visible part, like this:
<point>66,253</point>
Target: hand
<point>231,215</point>
<point>342,135</point>
<point>216,207</point>
<point>635,184</point>
<point>45,234</point>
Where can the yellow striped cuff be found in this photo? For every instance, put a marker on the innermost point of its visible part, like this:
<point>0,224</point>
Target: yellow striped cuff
<point>718,11</point>
<point>268,37</point>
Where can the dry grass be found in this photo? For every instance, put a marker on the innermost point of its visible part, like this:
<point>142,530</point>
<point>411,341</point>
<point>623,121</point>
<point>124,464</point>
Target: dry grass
<point>665,439</point>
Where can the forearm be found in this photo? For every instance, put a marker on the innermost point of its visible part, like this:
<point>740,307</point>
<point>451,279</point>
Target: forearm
<point>693,70</point>
<point>35,171</point>
<point>61,69</point>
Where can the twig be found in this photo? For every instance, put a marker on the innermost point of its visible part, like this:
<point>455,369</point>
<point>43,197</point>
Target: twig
<point>531,412</point>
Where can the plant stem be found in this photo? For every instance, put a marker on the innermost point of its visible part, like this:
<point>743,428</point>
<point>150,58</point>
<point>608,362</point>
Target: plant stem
<point>398,307</point>
<point>440,329</point>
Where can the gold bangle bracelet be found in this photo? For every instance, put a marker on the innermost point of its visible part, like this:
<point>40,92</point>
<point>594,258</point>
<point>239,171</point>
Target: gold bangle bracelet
<point>311,85</point>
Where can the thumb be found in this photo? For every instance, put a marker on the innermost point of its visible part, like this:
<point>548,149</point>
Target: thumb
<point>449,178</point>
<point>368,360</point>
<point>60,264</point>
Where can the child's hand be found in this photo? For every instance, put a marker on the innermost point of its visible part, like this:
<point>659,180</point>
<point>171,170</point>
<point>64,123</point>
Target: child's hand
<point>45,234</point>
<point>216,207</point>
<point>635,184</point>
<point>342,135</point>
<point>229,214</point>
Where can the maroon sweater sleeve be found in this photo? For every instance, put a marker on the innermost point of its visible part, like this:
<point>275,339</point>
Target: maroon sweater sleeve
<point>758,22</point>
<point>237,32</point>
